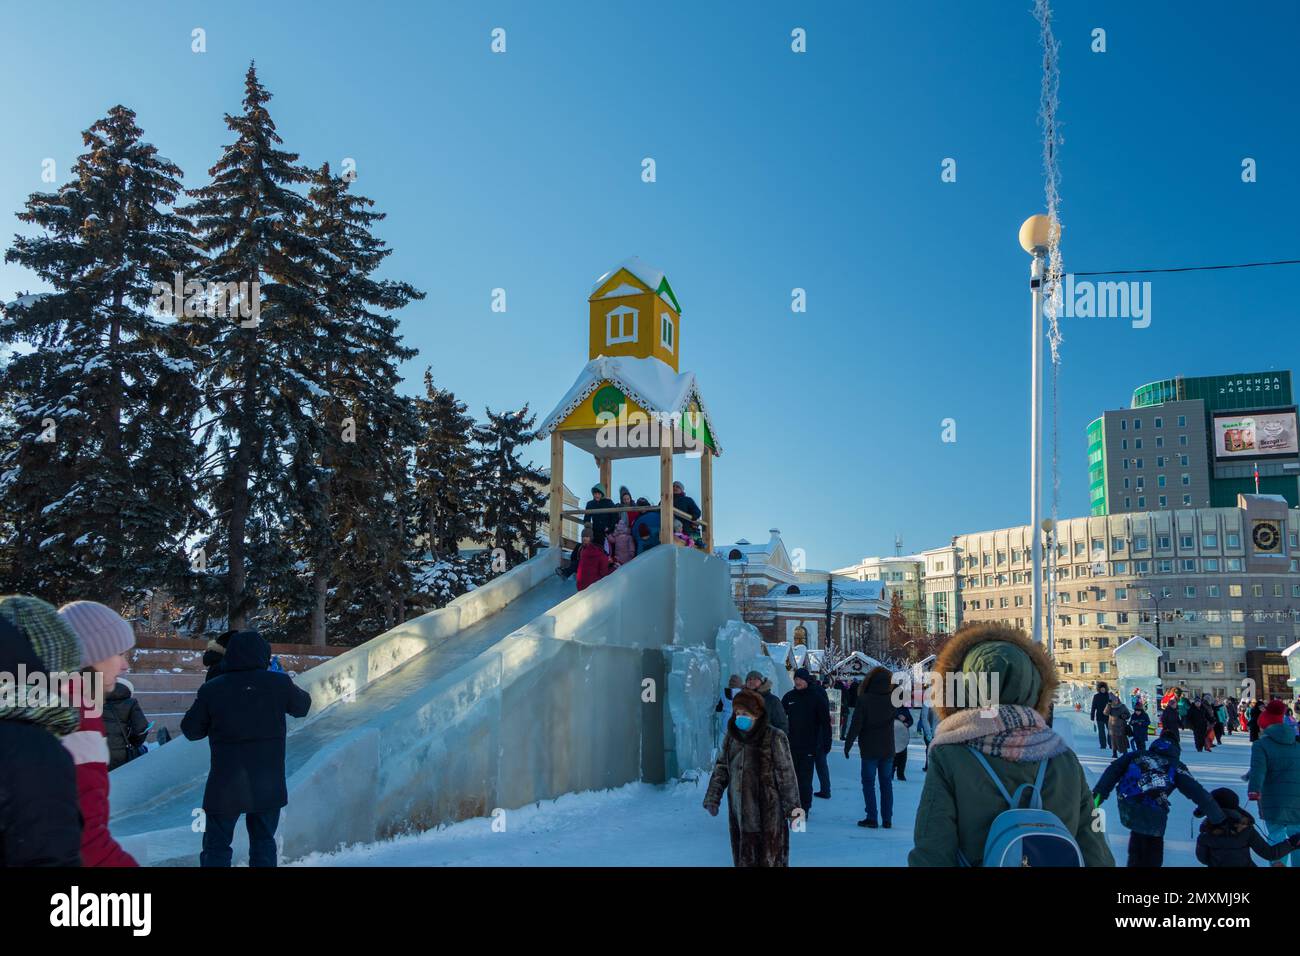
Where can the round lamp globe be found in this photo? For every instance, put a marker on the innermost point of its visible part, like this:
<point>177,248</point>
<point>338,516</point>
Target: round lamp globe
<point>1035,234</point>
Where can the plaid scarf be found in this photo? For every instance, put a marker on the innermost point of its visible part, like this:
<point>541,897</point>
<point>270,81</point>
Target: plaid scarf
<point>1014,732</point>
<point>58,649</point>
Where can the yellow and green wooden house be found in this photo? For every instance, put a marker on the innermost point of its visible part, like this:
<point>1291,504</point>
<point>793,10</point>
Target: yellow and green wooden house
<point>631,399</point>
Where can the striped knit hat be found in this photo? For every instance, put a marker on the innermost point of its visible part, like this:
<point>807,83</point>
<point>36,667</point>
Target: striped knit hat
<point>102,631</point>
<point>55,645</point>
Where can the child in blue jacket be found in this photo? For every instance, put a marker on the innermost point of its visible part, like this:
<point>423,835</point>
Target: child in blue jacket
<point>1145,779</point>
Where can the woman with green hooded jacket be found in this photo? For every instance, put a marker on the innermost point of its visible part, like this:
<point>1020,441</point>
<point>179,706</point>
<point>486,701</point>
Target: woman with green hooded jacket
<point>1007,725</point>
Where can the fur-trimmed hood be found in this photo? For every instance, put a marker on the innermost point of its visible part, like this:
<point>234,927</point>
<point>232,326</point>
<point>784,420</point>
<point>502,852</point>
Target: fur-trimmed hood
<point>961,644</point>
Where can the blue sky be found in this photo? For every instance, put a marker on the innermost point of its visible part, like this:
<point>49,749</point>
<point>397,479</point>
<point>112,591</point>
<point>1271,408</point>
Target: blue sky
<point>775,170</point>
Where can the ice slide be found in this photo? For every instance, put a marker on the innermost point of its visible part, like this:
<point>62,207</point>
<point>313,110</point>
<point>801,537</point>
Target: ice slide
<point>517,692</point>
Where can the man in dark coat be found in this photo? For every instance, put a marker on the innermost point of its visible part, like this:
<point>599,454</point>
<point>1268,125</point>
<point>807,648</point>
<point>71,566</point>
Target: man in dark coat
<point>242,713</point>
<point>873,728</point>
<point>684,502</point>
<point>1098,713</point>
<point>823,770</point>
<point>808,717</point>
<point>40,813</point>
<point>759,684</point>
<point>600,524</point>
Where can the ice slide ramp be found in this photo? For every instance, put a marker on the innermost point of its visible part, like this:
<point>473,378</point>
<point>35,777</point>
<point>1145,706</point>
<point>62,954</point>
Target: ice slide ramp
<point>520,691</point>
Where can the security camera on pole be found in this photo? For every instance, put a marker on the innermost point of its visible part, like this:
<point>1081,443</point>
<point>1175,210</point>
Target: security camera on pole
<point>1035,239</point>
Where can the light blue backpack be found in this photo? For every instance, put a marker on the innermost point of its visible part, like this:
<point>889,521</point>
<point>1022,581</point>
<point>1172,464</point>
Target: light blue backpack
<point>1026,836</point>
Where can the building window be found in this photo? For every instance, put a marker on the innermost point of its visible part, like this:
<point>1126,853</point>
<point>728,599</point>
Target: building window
<point>1189,591</point>
<point>1186,542</point>
<point>620,325</point>
<point>1142,501</point>
<point>1234,590</point>
<point>1160,481</point>
<point>1164,502</point>
<point>1182,421</point>
<point>1160,441</point>
<point>1189,564</point>
<point>1182,439</point>
<point>1213,591</point>
<point>1137,446</point>
<point>1209,541</point>
<point>1234,564</point>
<point>666,331</point>
<point>1160,422</point>
<point>1234,540</point>
<point>1137,424</point>
<point>1187,499</point>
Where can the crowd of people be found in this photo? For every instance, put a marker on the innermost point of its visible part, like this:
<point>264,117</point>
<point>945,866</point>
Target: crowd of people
<point>58,744</point>
<point>615,533</point>
<point>1002,787</point>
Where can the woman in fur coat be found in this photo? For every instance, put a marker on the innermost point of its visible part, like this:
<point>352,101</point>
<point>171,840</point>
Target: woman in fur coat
<point>756,771</point>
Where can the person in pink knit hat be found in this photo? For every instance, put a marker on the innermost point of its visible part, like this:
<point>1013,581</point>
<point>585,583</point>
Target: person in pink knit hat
<point>105,639</point>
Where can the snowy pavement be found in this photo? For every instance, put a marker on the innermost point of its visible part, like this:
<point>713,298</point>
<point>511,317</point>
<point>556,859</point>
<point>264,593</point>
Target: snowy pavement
<point>644,825</point>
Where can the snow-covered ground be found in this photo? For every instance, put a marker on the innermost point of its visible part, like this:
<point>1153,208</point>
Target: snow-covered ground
<point>644,825</point>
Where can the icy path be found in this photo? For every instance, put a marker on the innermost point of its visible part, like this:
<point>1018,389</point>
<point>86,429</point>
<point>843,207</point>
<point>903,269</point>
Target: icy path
<point>643,825</point>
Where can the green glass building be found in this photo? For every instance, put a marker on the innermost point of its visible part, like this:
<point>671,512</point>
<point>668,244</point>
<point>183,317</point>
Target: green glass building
<point>1172,462</point>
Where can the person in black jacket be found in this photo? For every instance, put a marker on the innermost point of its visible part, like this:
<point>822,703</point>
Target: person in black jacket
<point>760,685</point>
<point>1139,725</point>
<point>809,719</point>
<point>1098,713</point>
<point>241,712</point>
<point>125,726</point>
<point>873,728</point>
<point>600,524</point>
<point>1170,721</point>
<point>1200,723</point>
<point>40,813</point>
<point>215,653</point>
<point>684,502</point>
<point>819,763</point>
<point>1229,843</point>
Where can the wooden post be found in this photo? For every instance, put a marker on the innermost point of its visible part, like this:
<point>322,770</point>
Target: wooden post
<point>706,497</point>
<point>665,487</point>
<point>606,477</point>
<point>557,491</point>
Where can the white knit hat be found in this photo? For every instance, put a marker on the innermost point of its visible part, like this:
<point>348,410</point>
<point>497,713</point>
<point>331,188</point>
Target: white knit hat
<point>102,632</point>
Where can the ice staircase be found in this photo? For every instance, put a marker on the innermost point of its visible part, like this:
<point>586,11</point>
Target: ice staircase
<point>517,692</point>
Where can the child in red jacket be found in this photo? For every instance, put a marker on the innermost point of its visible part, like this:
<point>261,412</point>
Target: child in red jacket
<point>592,561</point>
<point>105,638</point>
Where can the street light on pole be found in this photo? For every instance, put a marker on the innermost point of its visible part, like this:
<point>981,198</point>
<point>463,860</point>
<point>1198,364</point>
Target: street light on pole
<point>1035,239</point>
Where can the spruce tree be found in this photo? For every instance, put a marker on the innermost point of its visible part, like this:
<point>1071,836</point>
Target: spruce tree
<point>444,470</point>
<point>511,502</point>
<point>359,551</point>
<point>262,380</point>
<point>98,479</point>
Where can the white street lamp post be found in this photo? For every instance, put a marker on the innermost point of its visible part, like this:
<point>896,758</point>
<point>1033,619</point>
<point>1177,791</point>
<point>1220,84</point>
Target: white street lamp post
<point>1035,237</point>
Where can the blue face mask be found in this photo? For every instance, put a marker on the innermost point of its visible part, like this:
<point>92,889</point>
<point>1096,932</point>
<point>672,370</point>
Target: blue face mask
<point>744,722</point>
